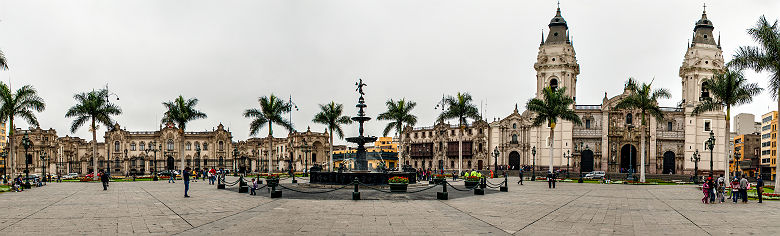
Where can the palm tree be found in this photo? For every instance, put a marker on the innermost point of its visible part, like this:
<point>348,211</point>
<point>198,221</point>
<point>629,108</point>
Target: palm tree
<point>460,107</point>
<point>93,107</point>
<point>330,115</point>
<point>727,89</point>
<point>644,99</point>
<point>270,112</point>
<point>554,105</point>
<point>764,57</point>
<point>400,114</point>
<point>180,112</point>
<point>3,62</point>
<point>21,104</point>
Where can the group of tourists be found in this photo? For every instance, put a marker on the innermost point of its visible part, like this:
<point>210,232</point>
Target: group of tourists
<point>715,190</point>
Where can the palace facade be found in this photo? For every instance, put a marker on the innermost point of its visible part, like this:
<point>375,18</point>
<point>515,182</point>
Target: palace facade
<point>608,139</point>
<point>126,152</point>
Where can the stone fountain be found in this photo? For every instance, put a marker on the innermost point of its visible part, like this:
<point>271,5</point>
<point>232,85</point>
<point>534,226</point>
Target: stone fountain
<point>361,164</point>
<point>361,171</point>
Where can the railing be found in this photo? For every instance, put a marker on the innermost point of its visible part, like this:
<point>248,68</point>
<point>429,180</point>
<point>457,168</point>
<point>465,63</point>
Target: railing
<point>422,128</point>
<point>587,132</point>
<point>141,132</point>
<point>587,107</point>
<point>671,109</point>
<point>671,134</point>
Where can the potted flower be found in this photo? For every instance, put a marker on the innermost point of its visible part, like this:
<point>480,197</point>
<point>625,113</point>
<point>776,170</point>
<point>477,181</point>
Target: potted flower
<point>438,179</point>
<point>272,180</point>
<point>398,184</point>
<point>471,181</point>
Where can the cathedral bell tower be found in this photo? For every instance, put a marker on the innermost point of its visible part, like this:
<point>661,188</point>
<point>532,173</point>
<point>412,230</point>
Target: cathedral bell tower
<point>703,59</point>
<point>556,66</point>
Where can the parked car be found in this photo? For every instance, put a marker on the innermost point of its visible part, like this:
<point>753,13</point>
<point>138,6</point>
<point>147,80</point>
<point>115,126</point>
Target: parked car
<point>71,176</point>
<point>168,173</point>
<point>595,175</point>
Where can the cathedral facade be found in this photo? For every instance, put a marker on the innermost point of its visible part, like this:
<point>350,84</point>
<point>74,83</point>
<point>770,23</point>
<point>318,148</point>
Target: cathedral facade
<point>608,139</point>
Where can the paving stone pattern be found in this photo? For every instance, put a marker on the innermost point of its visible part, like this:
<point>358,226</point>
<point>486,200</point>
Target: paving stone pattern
<point>159,208</point>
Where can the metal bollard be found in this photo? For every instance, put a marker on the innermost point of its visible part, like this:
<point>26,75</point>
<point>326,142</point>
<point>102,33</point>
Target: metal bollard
<point>356,193</point>
<point>220,184</point>
<point>481,189</point>
<point>443,195</point>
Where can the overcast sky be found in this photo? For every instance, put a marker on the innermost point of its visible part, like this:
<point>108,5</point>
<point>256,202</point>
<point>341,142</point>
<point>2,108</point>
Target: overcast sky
<point>229,53</point>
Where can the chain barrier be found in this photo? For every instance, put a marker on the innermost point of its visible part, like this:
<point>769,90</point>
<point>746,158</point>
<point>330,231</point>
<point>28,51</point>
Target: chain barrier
<point>467,189</point>
<point>420,190</point>
<point>377,189</point>
<point>314,192</point>
<point>233,183</point>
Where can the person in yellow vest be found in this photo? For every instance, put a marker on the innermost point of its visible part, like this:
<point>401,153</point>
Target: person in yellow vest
<point>466,175</point>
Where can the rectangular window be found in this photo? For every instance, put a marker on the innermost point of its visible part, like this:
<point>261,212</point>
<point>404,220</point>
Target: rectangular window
<point>766,127</point>
<point>707,125</point>
<point>587,124</point>
<point>669,126</point>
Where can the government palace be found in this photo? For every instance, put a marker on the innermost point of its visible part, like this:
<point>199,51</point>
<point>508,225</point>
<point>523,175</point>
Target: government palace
<point>608,139</point>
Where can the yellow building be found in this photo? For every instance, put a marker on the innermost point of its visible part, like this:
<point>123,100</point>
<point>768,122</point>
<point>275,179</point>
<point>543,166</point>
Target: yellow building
<point>384,151</point>
<point>769,144</point>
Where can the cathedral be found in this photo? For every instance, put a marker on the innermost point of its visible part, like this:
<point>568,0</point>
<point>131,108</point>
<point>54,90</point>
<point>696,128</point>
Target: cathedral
<point>607,140</point>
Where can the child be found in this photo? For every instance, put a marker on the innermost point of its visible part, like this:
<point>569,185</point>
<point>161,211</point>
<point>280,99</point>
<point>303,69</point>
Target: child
<point>254,187</point>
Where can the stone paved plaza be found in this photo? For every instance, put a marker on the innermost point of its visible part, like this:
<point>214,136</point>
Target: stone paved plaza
<point>532,209</point>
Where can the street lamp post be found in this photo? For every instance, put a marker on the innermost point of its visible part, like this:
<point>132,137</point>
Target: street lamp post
<point>568,157</point>
<point>737,157</point>
<point>125,159</point>
<point>43,166</point>
<point>27,145</point>
<point>495,156</point>
<point>4,154</point>
<point>197,154</point>
<point>306,154</point>
<point>154,163</point>
<point>533,152</point>
<point>711,146</point>
<point>695,159</point>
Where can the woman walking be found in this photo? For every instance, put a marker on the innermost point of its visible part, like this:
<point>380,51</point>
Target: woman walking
<point>706,189</point>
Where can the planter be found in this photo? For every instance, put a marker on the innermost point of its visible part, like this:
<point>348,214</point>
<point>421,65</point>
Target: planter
<point>272,182</point>
<point>471,184</point>
<point>398,188</point>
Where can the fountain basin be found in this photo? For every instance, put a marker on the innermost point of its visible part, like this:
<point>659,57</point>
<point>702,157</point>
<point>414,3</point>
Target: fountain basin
<point>371,178</point>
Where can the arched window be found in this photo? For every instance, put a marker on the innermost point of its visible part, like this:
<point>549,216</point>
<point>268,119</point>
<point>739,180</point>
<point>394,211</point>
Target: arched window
<point>170,145</point>
<point>704,92</point>
<point>514,138</point>
<point>197,145</point>
<point>221,146</point>
<point>142,146</point>
<point>188,146</point>
<point>629,119</point>
<point>554,84</point>
<point>514,126</point>
<point>116,146</point>
<point>132,146</point>
<point>205,146</point>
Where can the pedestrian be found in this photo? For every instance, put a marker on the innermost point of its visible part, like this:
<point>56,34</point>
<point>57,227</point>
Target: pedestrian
<point>254,187</point>
<point>104,179</point>
<point>760,189</point>
<point>743,186</point>
<point>713,186</point>
<point>520,173</point>
<point>550,180</point>
<point>705,188</point>
<point>735,189</point>
<point>171,176</point>
<point>721,189</point>
<point>186,177</point>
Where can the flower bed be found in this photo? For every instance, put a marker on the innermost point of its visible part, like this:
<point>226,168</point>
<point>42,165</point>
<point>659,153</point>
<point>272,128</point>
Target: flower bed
<point>398,180</point>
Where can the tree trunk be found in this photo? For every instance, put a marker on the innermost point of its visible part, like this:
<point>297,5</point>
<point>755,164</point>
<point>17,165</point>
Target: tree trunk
<point>552,145</point>
<point>181,151</point>
<point>12,155</point>
<point>330,156</point>
<point>270,147</point>
<point>94,151</point>
<point>727,153</point>
<point>460,149</point>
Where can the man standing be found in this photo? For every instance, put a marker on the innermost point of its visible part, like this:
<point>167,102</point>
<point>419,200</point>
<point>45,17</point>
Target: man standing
<point>520,173</point>
<point>550,180</point>
<point>760,189</point>
<point>104,180</point>
<point>186,177</point>
<point>743,185</point>
<point>721,188</point>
